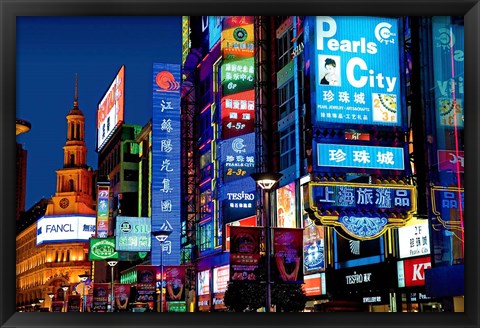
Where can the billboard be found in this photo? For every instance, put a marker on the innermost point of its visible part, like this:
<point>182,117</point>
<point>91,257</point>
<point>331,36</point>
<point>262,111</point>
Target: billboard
<point>451,160</point>
<point>412,272</point>
<point>102,249</point>
<point>166,166</point>
<point>51,229</point>
<point>314,284</point>
<point>313,247</point>
<point>286,215</point>
<point>214,30</point>
<point>360,156</point>
<point>238,199</point>
<point>414,239</point>
<point>247,222</point>
<point>356,67</point>
<point>288,254</point>
<point>175,281</point>
<point>103,210</point>
<point>101,292</point>
<point>448,71</point>
<point>237,157</point>
<point>244,252</point>
<point>146,283</point>
<point>133,234</point>
<point>111,109</point>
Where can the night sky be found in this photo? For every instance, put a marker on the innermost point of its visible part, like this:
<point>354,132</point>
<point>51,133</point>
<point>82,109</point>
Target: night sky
<point>51,50</point>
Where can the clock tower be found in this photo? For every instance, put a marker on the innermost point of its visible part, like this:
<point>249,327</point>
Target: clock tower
<point>74,181</point>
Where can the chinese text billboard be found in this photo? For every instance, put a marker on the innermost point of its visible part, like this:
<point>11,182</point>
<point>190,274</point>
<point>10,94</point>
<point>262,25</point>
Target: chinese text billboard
<point>244,252</point>
<point>133,234</point>
<point>166,166</point>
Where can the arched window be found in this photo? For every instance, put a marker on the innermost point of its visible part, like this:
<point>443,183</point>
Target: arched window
<point>72,187</point>
<point>72,131</point>
<point>72,159</point>
<point>78,132</point>
<point>68,256</point>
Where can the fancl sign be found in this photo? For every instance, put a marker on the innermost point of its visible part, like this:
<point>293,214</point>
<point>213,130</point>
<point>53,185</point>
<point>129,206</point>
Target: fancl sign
<point>357,70</point>
<point>65,228</point>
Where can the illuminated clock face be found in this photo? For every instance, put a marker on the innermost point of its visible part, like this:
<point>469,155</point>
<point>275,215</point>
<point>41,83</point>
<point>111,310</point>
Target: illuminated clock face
<point>64,203</point>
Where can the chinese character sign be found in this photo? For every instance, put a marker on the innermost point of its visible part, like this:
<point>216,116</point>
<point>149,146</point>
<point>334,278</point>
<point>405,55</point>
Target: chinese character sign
<point>356,70</point>
<point>371,157</point>
<point>166,163</point>
<point>102,210</point>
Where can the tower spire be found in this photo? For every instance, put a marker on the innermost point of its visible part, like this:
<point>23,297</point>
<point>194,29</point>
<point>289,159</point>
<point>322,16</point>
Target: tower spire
<point>75,101</point>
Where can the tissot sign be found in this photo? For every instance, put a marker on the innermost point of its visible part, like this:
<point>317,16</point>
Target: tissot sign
<point>65,228</point>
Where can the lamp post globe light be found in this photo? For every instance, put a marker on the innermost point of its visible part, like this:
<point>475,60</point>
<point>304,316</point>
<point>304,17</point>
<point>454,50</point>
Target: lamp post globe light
<point>266,181</point>
<point>51,300</point>
<point>161,236</point>
<point>112,264</point>
<point>65,288</point>
<point>83,279</point>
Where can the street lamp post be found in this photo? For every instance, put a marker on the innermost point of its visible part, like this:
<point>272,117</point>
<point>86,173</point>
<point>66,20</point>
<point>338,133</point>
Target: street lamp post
<point>83,279</point>
<point>112,264</point>
<point>161,236</point>
<point>41,300</point>
<point>51,300</point>
<point>65,288</point>
<point>266,181</point>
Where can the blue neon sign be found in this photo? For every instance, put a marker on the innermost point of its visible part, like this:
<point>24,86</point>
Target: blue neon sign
<point>356,70</point>
<point>166,163</point>
<point>371,157</point>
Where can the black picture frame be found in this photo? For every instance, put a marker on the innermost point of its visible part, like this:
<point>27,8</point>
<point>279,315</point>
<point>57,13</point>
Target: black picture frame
<point>10,9</point>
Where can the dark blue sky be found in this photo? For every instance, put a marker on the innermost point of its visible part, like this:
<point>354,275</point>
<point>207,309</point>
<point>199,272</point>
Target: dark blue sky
<point>51,50</point>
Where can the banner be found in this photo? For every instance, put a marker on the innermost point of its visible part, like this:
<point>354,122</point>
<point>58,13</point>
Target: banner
<point>73,303</point>
<point>100,297</point>
<point>122,294</point>
<point>244,252</point>
<point>288,254</point>
<point>175,280</point>
<point>89,302</point>
<point>146,283</point>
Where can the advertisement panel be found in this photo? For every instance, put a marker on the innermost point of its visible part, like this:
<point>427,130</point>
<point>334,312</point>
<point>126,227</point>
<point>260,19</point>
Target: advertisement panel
<point>448,71</point>
<point>247,222</point>
<point>360,156</point>
<point>203,290</point>
<point>111,109</point>
<point>313,247</point>
<point>357,70</point>
<point>448,206</point>
<point>122,294</point>
<point>146,283</point>
<point>237,157</point>
<point>237,76</point>
<point>102,249</point>
<point>101,292</point>
<point>451,160</point>
<point>73,303</point>
<point>51,229</point>
<point>221,276</point>
<point>133,234</point>
<point>414,239</point>
<point>286,199</point>
<point>58,306</point>
<point>244,252</point>
<point>288,254</point>
<point>103,209</point>
<point>314,284</point>
<point>411,272</point>
<point>166,142</point>
<point>175,280</point>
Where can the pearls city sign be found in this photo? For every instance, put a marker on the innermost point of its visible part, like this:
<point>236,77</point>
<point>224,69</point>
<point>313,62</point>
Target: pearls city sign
<point>362,211</point>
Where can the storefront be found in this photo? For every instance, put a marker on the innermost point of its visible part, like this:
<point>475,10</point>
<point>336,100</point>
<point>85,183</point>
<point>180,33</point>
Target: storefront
<point>364,288</point>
